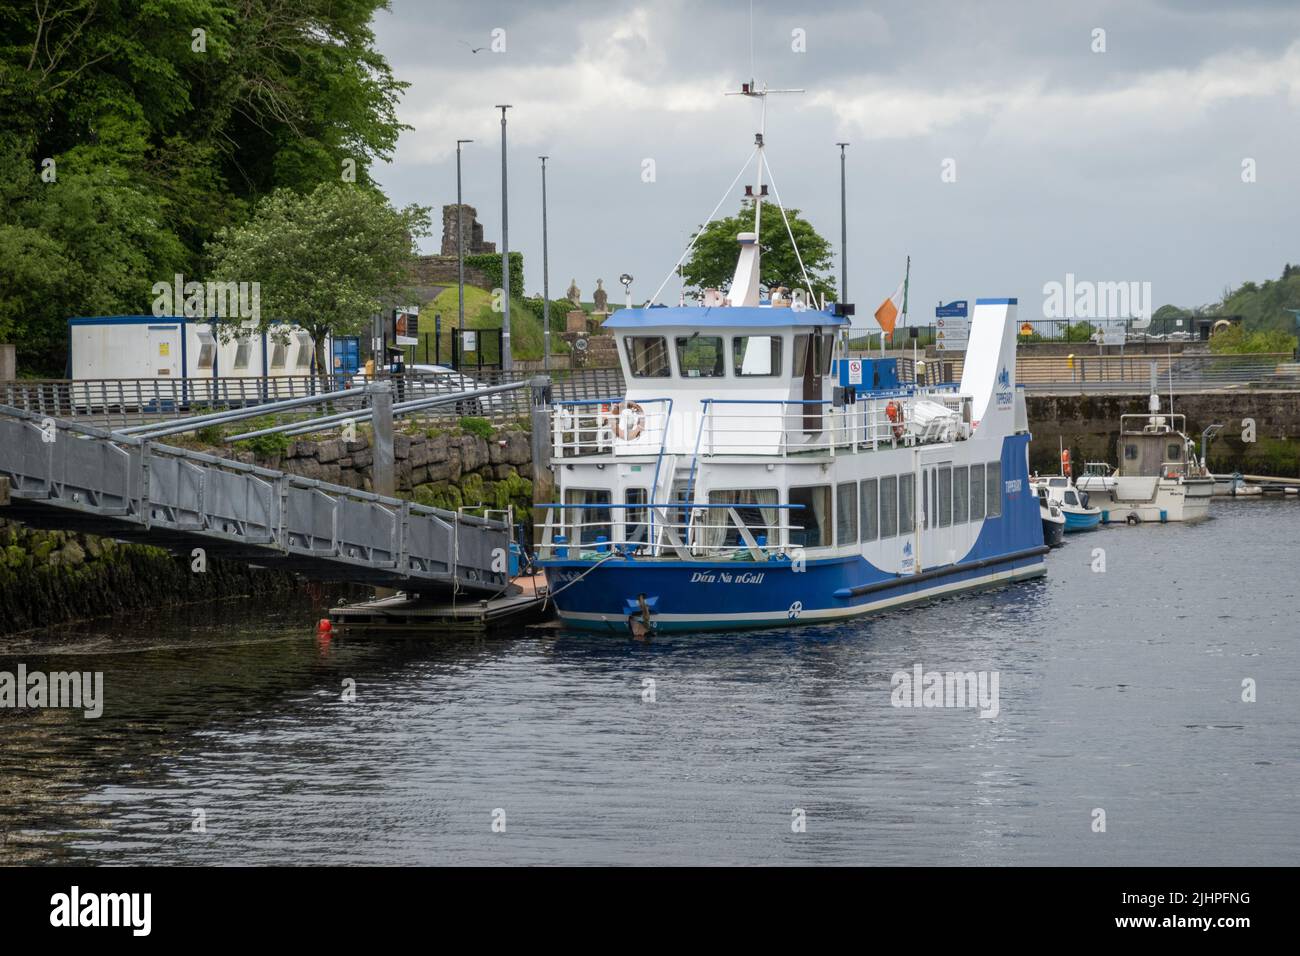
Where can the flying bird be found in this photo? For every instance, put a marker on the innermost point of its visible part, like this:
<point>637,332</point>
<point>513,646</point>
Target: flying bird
<point>472,49</point>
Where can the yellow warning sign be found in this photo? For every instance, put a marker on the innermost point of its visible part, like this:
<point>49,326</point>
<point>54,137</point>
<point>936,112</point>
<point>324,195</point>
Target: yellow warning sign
<point>164,349</point>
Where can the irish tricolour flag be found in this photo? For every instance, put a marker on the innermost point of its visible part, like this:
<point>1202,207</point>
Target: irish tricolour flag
<point>888,312</point>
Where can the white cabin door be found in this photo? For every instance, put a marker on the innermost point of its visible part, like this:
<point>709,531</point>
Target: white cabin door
<point>938,543</point>
<point>164,351</point>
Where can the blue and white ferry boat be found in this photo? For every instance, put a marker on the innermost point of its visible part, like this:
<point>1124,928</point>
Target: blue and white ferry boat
<point>755,473</point>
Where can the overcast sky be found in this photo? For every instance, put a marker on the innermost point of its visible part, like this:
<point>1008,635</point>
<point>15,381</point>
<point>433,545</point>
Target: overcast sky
<point>1114,166</point>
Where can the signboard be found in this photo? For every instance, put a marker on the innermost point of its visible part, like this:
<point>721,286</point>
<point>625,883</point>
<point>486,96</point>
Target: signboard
<point>1114,334</point>
<point>406,325</point>
<point>1026,329</point>
<point>469,340</point>
<point>953,310</point>
<point>855,372</point>
<point>951,334</point>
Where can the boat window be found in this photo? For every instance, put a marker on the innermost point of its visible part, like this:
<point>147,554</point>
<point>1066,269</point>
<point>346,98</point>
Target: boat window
<point>825,346</point>
<point>945,496</point>
<point>870,510</point>
<point>976,492</point>
<point>1057,482</point>
<point>756,354</point>
<point>1069,498</point>
<point>756,508</point>
<point>800,354</point>
<point>960,493</point>
<point>243,348</point>
<point>1174,452</point>
<point>906,504</point>
<point>889,506</point>
<point>647,356</point>
<point>925,499</point>
<point>846,513</point>
<point>587,525</point>
<point>1130,452</point>
<point>634,519</point>
<point>207,349</point>
<point>813,517</point>
<point>699,356</point>
<point>993,490</point>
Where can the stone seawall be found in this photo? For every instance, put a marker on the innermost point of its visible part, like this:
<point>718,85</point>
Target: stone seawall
<point>1089,426</point>
<point>446,470</point>
<point>52,577</point>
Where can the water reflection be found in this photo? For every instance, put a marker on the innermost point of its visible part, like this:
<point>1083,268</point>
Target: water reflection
<point>1118,690</point>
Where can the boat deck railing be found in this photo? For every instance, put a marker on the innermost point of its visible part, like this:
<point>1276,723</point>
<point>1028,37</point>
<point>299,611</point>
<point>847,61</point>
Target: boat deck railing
<point>668,530</point>
<point>761,427</point>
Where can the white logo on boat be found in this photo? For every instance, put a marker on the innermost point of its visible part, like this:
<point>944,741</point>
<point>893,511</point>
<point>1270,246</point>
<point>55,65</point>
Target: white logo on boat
<point>795,610</point>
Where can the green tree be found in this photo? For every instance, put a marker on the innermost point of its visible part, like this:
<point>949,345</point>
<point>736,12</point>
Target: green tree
<point>130,133</point>
<point>325,261</point>
<point>713,260</point>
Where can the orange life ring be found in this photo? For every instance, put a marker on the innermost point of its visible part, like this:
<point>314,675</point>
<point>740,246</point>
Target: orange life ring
<point>638,425</point>
<point>1065,461</point>
<point>895,413</point>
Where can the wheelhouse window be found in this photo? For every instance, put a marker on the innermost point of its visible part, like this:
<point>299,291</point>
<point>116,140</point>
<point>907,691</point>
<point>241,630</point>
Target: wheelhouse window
<point>906,504</point>
<point>756,355</point>
<point>993,490</point>
<point>889,506</point>
<point>822,344</point>
<point>870,509</point>
<point>1174,452</point>
<point>976,492</point>
<point>647,356</point>
<point>699,356</point>
<point>846,513</point>
<point>813,517</point>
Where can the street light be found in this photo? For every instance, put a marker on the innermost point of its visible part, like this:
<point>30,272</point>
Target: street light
<point>506,362</point>
<point>460,256</point>
<point>546,282</point>
<point>844,232</point>
<point>626,279</point>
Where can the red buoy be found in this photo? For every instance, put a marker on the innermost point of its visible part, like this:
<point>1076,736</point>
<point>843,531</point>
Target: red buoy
<point>324,626</point>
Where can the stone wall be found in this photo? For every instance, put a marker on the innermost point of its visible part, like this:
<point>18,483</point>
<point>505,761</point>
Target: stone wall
<point>1089,426</point>
<point>52,577</point>
<point>444,469</point>
<point>430,271</point>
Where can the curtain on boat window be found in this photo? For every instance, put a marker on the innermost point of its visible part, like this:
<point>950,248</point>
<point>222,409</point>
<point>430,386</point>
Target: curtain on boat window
<point>718,530</point>
<point>976,492</point>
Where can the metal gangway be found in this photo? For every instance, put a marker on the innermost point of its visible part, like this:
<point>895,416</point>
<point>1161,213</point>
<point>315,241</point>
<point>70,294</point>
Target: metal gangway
<point>68,475</point>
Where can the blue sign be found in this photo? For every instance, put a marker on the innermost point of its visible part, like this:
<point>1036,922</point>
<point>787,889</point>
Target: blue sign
<point>953,310</point>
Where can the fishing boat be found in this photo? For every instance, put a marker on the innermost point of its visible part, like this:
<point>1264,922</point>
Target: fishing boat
<point>1159,477</point>
<point>1054,525</point>
<point>756,473</point>
<point>1073,504</point>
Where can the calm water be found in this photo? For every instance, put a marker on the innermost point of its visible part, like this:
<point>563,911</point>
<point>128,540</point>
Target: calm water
<point>1119,690</point>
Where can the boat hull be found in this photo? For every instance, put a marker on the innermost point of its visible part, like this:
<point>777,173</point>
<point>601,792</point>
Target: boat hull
<point>698,596</point>
<point>1081,520</point>
<point>1170,500</point>
<point>1053,533</point>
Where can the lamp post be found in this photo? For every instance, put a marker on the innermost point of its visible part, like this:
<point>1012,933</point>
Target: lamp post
<point>460,256</point>
<point>844,232</point>
<point>506,361</point>
<point>546,282</point>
